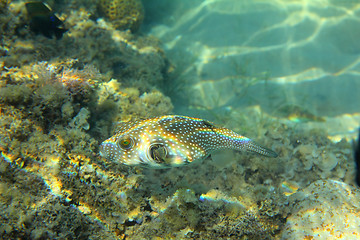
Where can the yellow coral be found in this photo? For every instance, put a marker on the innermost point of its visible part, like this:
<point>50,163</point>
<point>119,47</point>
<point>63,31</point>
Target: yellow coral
<point>124,14</point>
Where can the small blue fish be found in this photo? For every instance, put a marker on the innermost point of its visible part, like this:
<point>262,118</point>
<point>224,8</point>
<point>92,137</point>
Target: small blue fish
<point>172,141</point>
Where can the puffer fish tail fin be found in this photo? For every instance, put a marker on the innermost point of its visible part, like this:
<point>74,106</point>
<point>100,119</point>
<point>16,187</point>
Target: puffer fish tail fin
<point>232,140</point>
<point>251,146</point>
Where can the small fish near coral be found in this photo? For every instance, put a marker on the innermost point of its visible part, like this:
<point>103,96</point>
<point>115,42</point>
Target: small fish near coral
<point>171,141</point>
<point>44,21</point>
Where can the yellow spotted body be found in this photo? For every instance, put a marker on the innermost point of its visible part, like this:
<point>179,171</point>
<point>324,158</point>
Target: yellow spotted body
<point>172,141</point>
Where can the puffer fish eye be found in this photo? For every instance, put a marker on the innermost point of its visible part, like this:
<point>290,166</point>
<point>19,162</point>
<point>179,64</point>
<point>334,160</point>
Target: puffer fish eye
<point>126,142</point>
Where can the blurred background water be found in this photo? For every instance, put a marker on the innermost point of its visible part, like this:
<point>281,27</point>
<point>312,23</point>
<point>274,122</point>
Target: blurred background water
<point>281,56</point>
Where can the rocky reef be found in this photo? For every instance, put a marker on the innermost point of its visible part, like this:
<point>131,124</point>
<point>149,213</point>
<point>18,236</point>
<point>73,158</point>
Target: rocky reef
<point>59,99</point>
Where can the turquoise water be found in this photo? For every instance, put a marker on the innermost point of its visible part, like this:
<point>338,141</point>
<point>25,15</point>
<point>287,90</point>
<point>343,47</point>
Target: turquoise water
<point>239,53</point>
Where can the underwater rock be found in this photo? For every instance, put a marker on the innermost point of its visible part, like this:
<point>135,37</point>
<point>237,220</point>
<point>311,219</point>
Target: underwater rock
<point>297,113</point>
<point>212,215</point>
<point>80,120</point>
<point>357,160</point>
<point>327,209</point>
<point>137,61</point>
<point>4,4</point>
<point>124,14</point>
<point>127,103</point>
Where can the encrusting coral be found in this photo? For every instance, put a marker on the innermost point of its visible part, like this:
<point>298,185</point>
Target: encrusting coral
<point>123,14</point>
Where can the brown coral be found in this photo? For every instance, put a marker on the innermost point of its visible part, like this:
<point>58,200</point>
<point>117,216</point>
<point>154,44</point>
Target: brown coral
<point>124,14</point>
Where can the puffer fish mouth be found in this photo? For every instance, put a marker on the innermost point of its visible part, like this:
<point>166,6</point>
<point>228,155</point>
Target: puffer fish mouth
<point>102,151</point>
<point>106,150</point>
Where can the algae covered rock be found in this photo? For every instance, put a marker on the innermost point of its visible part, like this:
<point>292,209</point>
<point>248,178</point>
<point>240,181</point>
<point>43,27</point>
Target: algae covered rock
<point>3,4</point>
<point>52,117</point>
<point>326,209</point>
<point>124,14</point>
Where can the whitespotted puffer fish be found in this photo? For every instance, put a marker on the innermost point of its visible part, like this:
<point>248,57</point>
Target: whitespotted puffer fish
<point>173,140</point>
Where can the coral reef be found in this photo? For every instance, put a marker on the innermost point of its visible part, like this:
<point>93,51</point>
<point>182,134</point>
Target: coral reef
<point>49,131</point>
<point>246,199</point>
<point>137,61</point>
<point>55,108</point>
<point>123,14</point>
